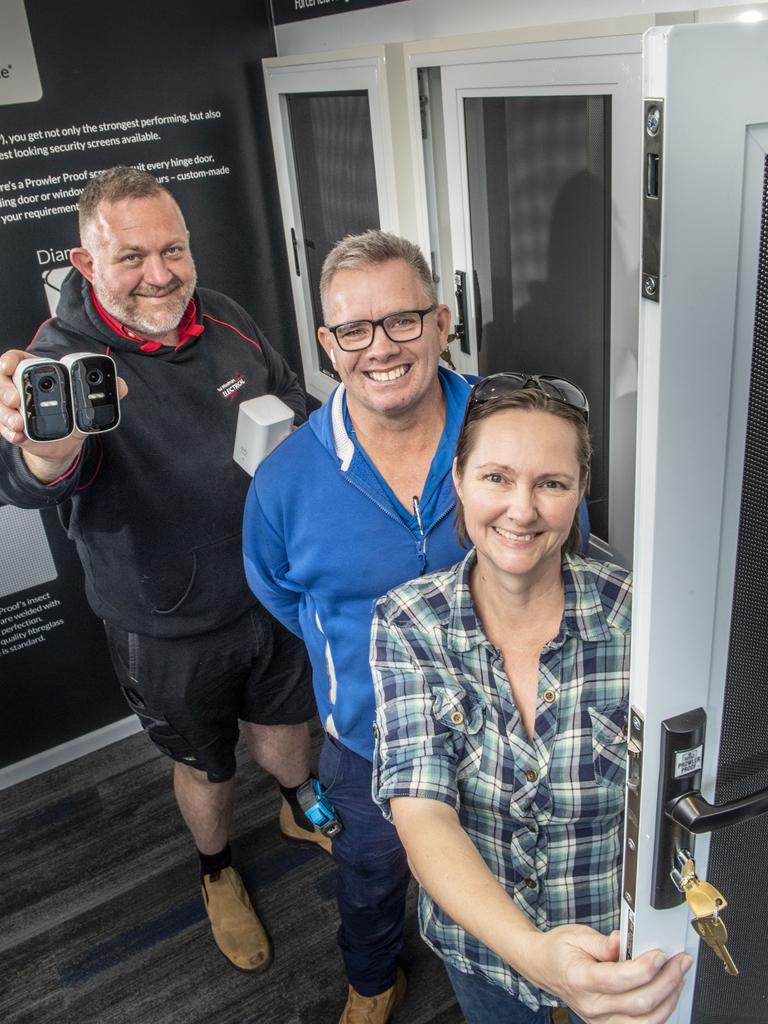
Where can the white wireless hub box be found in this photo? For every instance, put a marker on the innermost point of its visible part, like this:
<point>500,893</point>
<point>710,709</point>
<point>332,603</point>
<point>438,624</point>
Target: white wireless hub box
<point>261,424</point>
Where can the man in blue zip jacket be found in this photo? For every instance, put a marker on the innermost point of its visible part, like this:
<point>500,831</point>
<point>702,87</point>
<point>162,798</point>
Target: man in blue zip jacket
<point>354,502</point>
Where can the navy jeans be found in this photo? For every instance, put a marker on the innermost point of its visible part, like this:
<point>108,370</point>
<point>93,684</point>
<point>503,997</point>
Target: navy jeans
<point>484,1003</point>
<point>372,875</point>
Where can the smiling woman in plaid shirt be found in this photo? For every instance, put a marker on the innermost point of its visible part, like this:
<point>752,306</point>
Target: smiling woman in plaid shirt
<point>502,687</point>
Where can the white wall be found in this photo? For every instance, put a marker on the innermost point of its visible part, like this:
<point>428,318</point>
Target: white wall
<point>430,19</point>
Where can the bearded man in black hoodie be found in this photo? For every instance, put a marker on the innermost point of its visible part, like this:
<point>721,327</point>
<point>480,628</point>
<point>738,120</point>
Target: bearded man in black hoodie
<point>155,509</point>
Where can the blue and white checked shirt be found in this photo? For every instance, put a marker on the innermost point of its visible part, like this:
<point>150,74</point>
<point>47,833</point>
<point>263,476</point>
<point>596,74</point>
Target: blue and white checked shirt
<point>546,813</point>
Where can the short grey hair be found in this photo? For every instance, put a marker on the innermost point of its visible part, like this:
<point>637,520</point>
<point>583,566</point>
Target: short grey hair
<point>369,249</point>
<point>112,186</point>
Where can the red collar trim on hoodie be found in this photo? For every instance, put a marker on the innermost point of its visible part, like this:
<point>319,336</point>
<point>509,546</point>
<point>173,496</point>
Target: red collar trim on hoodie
<point>188,326</point>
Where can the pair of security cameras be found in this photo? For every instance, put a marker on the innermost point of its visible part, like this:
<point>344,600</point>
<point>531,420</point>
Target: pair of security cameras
<point>78,392</point>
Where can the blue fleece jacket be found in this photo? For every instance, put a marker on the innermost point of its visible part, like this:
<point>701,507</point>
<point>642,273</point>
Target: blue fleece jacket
<point>323,540</point>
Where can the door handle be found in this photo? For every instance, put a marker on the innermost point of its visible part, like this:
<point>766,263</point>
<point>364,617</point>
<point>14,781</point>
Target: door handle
<point>295,244</point>
<point>478,310</point>
<point>681,811</point>
<point>460,330</point>
<point>697,815</point>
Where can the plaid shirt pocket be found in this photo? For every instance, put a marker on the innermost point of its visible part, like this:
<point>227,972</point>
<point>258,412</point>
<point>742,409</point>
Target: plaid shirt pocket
<point>609,743</point>
<point>462,713</point>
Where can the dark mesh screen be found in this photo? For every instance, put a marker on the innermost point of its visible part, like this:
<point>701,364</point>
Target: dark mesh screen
<point>539,179</point>
<point>739,853</point>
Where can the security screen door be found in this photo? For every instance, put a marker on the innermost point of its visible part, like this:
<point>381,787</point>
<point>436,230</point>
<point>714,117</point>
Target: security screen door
<point>698,739</point>
<point>544,220</point>
<point>330,142</point>
<point>332,153</point>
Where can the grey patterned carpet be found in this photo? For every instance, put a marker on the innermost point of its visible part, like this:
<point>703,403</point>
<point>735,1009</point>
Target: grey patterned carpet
<point>102,921</point>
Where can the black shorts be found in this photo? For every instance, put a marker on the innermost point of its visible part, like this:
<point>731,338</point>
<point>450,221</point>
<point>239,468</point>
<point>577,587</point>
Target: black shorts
<point>190,692</point>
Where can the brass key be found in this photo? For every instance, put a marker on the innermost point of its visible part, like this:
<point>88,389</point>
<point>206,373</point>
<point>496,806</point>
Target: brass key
<point>705,902</point>
<point>703,899</point>
<point>715,934</point>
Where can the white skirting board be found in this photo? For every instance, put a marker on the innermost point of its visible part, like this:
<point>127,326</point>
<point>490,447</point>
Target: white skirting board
<point>69,751</point>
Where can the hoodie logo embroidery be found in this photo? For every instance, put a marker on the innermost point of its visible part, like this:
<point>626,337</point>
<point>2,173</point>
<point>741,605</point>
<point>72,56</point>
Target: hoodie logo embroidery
<point>231,387</point>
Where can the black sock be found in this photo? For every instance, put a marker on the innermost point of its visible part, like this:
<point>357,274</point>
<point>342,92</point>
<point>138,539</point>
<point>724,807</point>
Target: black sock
<point>211,862</point>
<point>289,792</point>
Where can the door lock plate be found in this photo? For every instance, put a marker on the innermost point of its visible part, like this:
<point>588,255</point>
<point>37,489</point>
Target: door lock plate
<point>653,165</point>
<point>634,787</point>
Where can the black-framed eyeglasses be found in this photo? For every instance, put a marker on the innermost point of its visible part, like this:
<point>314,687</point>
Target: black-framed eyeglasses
<point>407,325</point>
<point>497,385</point>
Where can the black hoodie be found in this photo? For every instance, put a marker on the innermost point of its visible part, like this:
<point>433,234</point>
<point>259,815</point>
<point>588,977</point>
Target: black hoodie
<point>155,506</point>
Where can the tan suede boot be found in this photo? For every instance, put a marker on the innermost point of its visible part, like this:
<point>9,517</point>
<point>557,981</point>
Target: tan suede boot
<point>295,834</point>
<point>374,1009</point>
<point>237,931</point>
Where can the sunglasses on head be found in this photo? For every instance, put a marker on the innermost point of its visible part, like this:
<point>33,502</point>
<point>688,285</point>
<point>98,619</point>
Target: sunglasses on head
<point>557,388</point>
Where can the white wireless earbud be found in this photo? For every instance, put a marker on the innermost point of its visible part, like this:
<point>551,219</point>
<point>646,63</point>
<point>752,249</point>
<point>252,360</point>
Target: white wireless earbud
<point>332,356</point>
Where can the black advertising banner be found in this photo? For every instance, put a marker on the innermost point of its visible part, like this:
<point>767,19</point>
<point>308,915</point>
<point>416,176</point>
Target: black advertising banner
<point>285,11</point>
<point>175,88</point>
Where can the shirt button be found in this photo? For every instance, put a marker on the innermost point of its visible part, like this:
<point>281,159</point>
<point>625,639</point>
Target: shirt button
<point>531,883</point>
<point>531,775</point>
<point>549,696</point>
<point>457,717</point>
